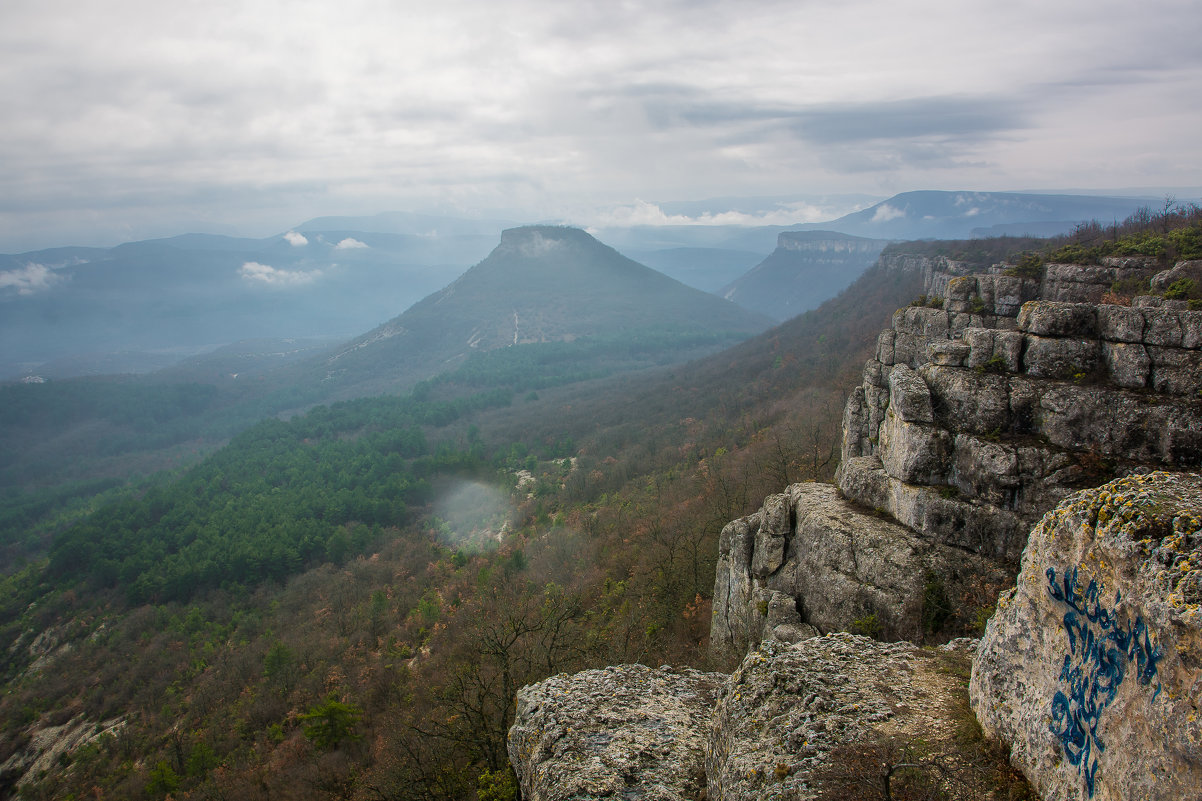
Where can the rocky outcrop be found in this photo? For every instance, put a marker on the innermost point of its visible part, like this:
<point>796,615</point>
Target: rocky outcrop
<point>811,562</point>
<point>50,746</point>
<point>977,415</point>
<point>623,732</point>
<point>1092,667</point>
<point>969,426</point>
<point>764,732</point>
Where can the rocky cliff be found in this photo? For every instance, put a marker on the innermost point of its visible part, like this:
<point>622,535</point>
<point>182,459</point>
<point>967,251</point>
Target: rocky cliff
<point>983,408</point>
<point>978,414</point>
<point>811,561</point>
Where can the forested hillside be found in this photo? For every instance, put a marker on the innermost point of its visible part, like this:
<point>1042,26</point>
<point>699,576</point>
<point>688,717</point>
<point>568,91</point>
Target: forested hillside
<point>342,604</point>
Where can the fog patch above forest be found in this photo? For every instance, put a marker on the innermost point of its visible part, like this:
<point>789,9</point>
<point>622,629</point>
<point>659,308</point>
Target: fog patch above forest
<point>472,515</point>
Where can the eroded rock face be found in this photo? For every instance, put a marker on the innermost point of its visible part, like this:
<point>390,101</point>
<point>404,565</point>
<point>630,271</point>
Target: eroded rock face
<point>968,427</point>
<point>1092,667</point>
<point>627,732</point>
<point>49,745</point>
<point>631,732</point>
<point>832,566</point>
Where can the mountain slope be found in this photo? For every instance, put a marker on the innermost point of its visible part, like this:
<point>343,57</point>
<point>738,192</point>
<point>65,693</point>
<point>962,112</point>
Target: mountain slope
<point>542,284</point>
<point>806,268</point>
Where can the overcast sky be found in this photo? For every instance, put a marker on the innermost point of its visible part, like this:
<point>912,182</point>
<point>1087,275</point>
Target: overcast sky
<point>131,118</point>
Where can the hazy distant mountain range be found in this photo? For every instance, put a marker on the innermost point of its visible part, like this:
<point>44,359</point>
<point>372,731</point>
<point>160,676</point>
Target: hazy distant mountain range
<point>144,305</point>
<point>965,215</point>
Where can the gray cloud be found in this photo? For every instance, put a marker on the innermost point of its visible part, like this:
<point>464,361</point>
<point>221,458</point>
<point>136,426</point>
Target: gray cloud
<point>133,116</point>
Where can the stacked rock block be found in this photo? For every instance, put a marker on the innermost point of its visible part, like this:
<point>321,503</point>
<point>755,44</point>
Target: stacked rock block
<point>968,427</point>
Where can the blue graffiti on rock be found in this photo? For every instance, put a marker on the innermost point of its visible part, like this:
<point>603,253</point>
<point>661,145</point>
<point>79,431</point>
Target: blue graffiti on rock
<point>1102,652</point>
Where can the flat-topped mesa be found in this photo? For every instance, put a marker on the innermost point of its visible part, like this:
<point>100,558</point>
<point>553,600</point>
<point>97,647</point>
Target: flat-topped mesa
<point>971,423</point>
<point>828,242</point>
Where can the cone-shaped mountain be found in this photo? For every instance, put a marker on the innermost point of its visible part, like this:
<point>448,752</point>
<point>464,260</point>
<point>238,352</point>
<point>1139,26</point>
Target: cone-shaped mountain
<point>540,284</point>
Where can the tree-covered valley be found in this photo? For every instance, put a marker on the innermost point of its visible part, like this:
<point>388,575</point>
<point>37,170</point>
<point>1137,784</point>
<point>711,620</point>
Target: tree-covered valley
<point>222,590</point>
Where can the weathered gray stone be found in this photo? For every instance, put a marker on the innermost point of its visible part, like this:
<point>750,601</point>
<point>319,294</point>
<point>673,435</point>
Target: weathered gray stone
<point>771,537</point>
<point>1127,364</point>
<point>948,351</point>
<point>991,349</point>
<point>1058,319</point>
<point>1092,669</point>
<point>884,346</point>
<point>1120,324</point>
<point>914,453</point>
<point>843,564</point>
<point>985,470</point>
<point>959,293</point>
<point>1005,294</point>
<point>627,732</point>
<point>787,708</point>
<point>1162,327</point>
<point>922,321</point>
<point>982,529</point>
<point>1059,357</point>
<point>1191,329</point>
<point>1102,420</point>
<point>966,400</point>
<point>855,427</point>
<point>909,397</point>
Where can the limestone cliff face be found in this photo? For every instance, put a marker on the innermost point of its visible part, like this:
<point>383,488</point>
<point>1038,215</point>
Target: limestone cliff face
<point>1092,667</point>
<point>807,268</point>
<point>969,433</point>
<point>976,418</point>
<point>972,421</point>
<point>811,562</point>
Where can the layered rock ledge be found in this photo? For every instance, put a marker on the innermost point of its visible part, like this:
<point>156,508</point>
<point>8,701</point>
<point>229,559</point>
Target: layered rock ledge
<point>811,562</point>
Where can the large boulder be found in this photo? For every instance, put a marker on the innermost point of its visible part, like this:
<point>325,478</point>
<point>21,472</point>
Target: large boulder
<point>1092,667</point>
<point>788,707</point>
<point>626,732</point>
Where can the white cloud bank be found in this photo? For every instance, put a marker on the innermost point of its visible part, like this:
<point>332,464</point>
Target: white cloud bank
<point>350,243</point>
<point>642,212</point>
<point>30,279</point>
<point>296,240</point>
<point>255,272</point>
